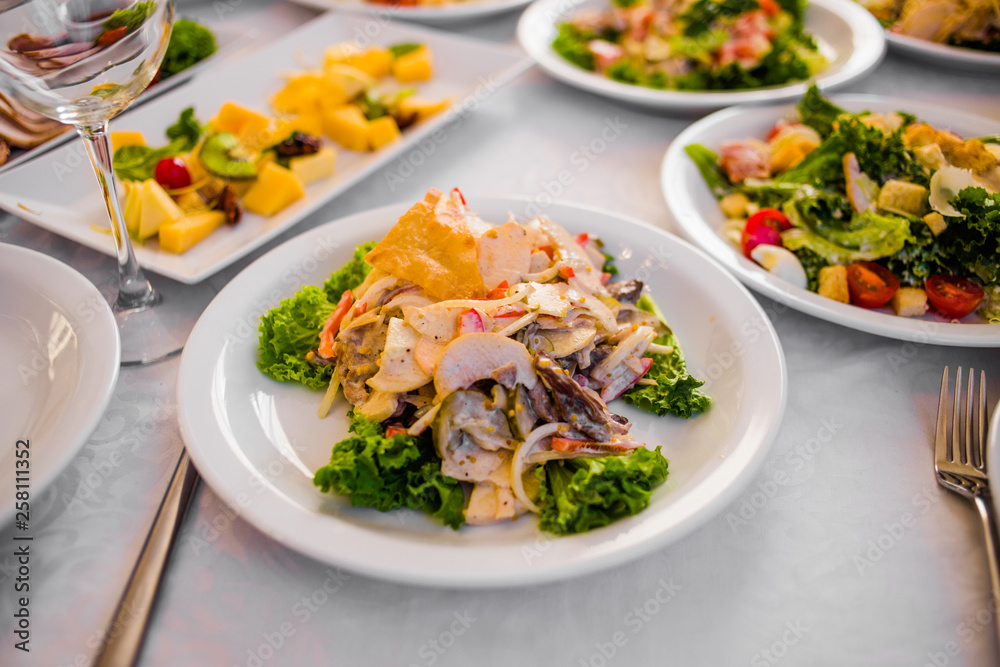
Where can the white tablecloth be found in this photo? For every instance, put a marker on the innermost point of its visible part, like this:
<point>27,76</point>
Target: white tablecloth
<point>844,550</point>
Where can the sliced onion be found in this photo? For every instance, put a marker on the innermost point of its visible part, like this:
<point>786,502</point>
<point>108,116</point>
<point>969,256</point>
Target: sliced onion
<point>520,457</point>
<point>331,393</point>
<point>519,323</point>
<point>519,292</point>
<point>542,276</point>
<point>419,426</point>
<point>660,349</point>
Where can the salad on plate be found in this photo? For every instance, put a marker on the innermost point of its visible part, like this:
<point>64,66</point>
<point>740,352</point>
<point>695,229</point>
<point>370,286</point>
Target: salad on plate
<point>970,24</point>
<point>880,210</point>
<point>480,361</point>
<point>693,44</point>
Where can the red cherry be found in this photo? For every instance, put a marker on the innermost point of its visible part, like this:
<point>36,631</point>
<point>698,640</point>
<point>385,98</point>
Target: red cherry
<point>172,173</point>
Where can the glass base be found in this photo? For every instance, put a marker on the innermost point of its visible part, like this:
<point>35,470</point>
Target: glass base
<point>158,330</point>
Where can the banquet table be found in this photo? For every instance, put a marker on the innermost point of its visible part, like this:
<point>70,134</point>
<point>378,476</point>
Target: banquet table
<point>843,550</point>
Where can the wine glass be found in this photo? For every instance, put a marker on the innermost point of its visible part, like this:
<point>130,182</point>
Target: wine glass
<point>82,62</point>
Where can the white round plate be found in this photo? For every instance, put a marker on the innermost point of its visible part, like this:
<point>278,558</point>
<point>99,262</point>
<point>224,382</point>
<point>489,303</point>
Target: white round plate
<point>443,14</point>
<point>698,215</point>
<point>59,357</point>
<point>942,54</point>
<point>258,442</point>
<point>847,34</point>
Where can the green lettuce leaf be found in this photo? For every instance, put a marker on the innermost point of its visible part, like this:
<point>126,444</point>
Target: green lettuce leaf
<point>138,163</point>
<point>707,162</point>
<point>288,332</point>
<point>391,473</point>
<point>818,112</point>
<point>571,44</point>
<point>350,275</point>
<point>581,494</point>
<point>190,43</point>
<point>676,392</point>
<point>973,242</point>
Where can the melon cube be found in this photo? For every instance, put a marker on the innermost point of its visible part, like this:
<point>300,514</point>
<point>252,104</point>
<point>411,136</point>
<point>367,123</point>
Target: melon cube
<point>348,127</point>
<point>126,138</point>
<point>274,189</point>
<point>414,66</point>
<point>156,208</point>
<point>181,235</point>
<point>239,120</point>
<point>382,131</point>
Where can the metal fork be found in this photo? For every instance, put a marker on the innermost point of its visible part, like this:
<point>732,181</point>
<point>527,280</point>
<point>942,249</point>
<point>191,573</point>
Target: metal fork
<point>960,461</point>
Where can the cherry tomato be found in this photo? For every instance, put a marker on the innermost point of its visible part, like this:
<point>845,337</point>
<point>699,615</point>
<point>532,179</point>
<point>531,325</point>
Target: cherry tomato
<point>870,285</point>
<point>172,173</point>
<point>764,227</point>
<point>953,296</point>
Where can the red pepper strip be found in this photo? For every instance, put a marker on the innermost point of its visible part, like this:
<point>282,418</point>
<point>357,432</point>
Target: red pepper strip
<point>329,333</point>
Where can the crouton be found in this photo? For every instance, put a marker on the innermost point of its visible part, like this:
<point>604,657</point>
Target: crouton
<point>833,283</point>
<point>930,157</point>
<point>936,222</point>
<point>903,198</point>
<point>734,205</point>
<point>909,302</point>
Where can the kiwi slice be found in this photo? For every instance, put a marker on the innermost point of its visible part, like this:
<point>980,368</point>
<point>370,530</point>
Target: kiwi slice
<point>225,157</point>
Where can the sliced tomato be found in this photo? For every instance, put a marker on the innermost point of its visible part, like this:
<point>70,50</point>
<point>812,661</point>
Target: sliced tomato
<point>764,227</point>
<point>870,285</point>
<point>582,238</point>
<point>953,296</point>
<point>566,272</point>
<point>770,7</point>
<point>605,278</point>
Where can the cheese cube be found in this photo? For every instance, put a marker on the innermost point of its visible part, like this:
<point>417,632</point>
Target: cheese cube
<point>348,127</point>
<point>126,138</point>
<point>833,283</point>
<point>382,131</point>
<point>311,168</point>
<point>274,189</point>
<point>181,235</point>
<point>156,209</point>
<point>414,66</point>
<point>909,302</point>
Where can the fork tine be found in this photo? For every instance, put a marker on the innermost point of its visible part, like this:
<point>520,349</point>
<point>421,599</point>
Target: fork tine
<point>958,452</point>
<point>969,446</point>
<point>942,452</point>
<point>980,442</point>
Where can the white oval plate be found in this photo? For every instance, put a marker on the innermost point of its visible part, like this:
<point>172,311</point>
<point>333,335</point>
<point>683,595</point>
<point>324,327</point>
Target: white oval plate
<point>942,54</point>
<point>847,34</point>
<point>59,357</point>
<point>697,212</point>
<point>258,442</point>
<point>444,14</point>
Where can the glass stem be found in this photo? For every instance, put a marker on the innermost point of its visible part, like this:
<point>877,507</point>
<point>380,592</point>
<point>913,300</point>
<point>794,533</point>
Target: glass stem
<point>134,291</point>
